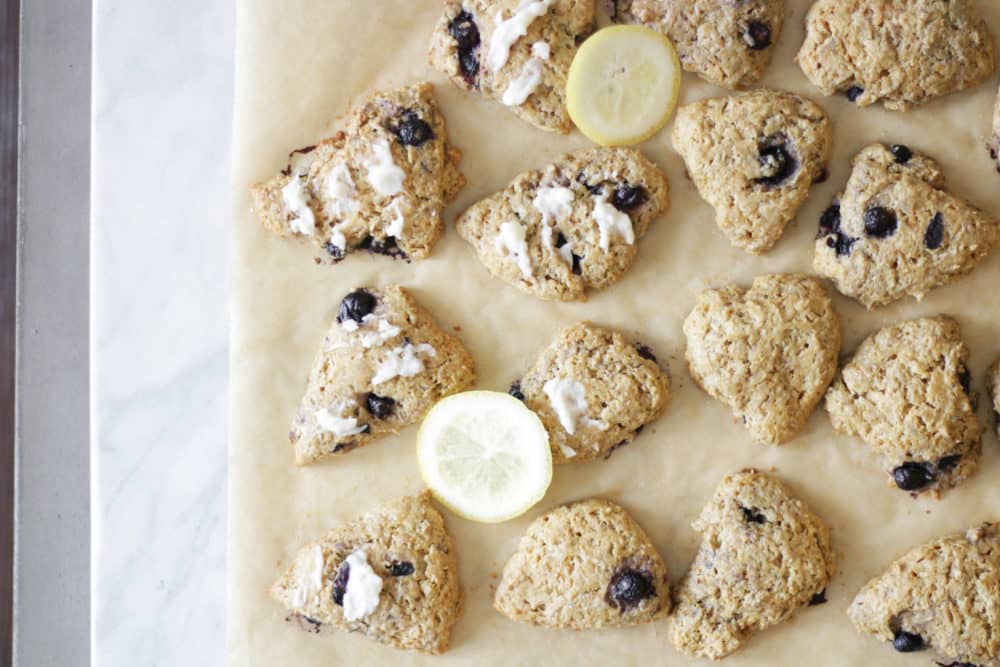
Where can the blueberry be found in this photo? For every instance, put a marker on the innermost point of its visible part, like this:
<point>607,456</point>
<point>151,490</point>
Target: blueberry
<point>335,251</point>
<point>841,243</point>
<point>577,269</point>
<point>413,130</point>
<point>776,162</point>
<point>912,476</point>
<point>965,379</point>
<point>880,222</point>
<point>515,391</point>
<point>757,36</point>
<point>819,598</point>
<point>907,642</point>
<point>560,240</point>
<point>646,353</point>
<point>934,236</point>
<point>948,462</point>
<point>401,568</point>
<point>829,222</point>
<point>752,515</point>
<point>823,176</point>
<point>901,153</point>
<point>628,588</point>
<point>463,28</point>
<point>854,92</point>
<point>356,305</point>
<point>627,197</point>
<point>340,584</point>
<point>386,246</point>
<point>380,407</point>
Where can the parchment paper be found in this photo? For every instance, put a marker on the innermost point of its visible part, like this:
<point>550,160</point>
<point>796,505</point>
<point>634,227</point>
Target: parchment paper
<point>300,66</point>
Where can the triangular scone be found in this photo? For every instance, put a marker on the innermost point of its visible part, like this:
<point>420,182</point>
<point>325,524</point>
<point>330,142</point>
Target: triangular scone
<point>379,186</point>
<point>382,365</point>
<point>900,52</point>
<point>584,566</point>
<point>594,391</point>
<point>895,231</point>
<point>726,43</point>
<point>993,384</point>
<point>754,157</point>
<point>994,143</point>
<point>575,225</point>
<point>763,556</point>
<point>943,596</point>
<point>906,393</point>
<point>769,352</point>
<point>517,52</point>
<point>391,575</point>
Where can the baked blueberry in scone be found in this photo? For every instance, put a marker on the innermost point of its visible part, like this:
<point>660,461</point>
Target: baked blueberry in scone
<point>517,52</point>
<point>902,53</point>
<point>382,365</point>
<point>764,556</point>
<point>895,231</point>
<point>584,566</point>
<point>753,157</point>
<point>943,597</point>
<point>391,575</point>
<point>994,143</point>
<point>594,391</point>
<point>380,185</point>
<point>906,393</point>
<point>993,386</point>
<point>572,226</point>
<point>727,43</point>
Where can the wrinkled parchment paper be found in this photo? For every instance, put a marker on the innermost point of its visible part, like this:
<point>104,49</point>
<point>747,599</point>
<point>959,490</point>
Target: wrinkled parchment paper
<point>300,66</point>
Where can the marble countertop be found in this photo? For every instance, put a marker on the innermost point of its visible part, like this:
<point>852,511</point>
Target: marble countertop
<point>162,89</point>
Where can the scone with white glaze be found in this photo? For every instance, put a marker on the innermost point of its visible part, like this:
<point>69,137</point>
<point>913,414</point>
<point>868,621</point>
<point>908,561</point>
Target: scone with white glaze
<point>896,232</point>
<point>906,394</point>
<point>584,566</point>
<point>726,43</point>
<point>764,555</point>
<point>754,157</point>
<point>943,596</point>
<point>575,225</point>
<point>390,574</point>
<point>769,352</point>
<point>902,53</point>
<point>380,185</point>
<point>517,52</point>
<point>382,365</point>
<point>594,391</point>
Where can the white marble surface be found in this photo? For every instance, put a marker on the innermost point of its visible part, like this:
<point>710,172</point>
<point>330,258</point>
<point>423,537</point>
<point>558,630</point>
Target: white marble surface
<point>160,212</point>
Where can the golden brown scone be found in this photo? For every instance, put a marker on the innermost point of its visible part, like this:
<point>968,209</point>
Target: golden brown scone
<point>391,575</point>
<point>593,391</point>
<point>768,353</point>
<point>575,225</point>
<point>905,393</point>
<point>379,186</point>
<point>943,596</point>
<point>382,365</point>
<point>900,52</point>
<point>763,556</point>
<point>584,566</point>
<point>896,232</point>
<point>726,43</point>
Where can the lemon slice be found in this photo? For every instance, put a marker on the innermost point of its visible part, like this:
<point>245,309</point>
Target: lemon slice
<point>623,85</point>
<point>484,455</point>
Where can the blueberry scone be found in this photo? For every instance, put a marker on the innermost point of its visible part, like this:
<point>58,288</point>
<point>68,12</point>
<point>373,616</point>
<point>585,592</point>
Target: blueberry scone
<point>390,575</point>
<point>906,394</point>
<point>943,596</point>
<point>573,226</point>
<point>994,143</point>
<point>593,391</point>
<point>584,566</point>
<point>895,231</point>
<point>900,52</point>
<point>993,385</point>
<point>517,52</point>
<point>726,43</point>
<point>379,186</point>
<point>768,353</point>
<point>382,365</point>
<point>763,556</point>
<point>754,157</point>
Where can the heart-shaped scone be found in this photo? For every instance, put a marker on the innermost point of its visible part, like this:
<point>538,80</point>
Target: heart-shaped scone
<point>895,231</point>
<point>584,566</point>
<point>900,52</point>
<point>380,185</point>
<point>753,157</point>
<point>768,352</point>
<point>943,596</point>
